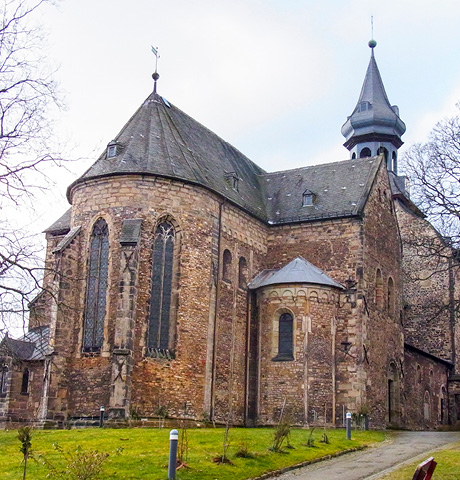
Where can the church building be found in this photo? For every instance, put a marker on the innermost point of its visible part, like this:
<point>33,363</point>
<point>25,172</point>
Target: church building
<point>185,281</point>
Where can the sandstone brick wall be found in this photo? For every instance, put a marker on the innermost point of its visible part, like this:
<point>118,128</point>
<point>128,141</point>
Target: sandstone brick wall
<point>425,392</point>
<point>427,310</point>
<point>301,389</point>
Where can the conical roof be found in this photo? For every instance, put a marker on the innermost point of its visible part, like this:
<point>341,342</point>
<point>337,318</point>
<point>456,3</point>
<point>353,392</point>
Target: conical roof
<point>298,271</point>
<point>373,114</point>
<point>161,140</point>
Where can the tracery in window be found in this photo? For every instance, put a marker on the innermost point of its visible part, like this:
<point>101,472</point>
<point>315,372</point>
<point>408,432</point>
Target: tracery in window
<point>160,335</point>
<point>93,336</point>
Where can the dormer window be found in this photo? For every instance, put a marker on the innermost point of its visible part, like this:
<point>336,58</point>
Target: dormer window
<point>113,149</point>
<point>308,198</point>
<point>232,179</point>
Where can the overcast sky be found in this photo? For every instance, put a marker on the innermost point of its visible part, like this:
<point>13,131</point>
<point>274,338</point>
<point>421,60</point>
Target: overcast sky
<point>275,78</point>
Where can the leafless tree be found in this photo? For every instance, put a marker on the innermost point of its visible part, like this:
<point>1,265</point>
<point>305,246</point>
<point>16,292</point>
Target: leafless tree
<point>433,168</point>
<point>27,96</point>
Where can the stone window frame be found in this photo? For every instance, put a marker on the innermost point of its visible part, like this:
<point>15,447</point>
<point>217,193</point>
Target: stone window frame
<point>96,291</point>
<point>278,356</point>
<point>165,345</point>
<point>227,259</point>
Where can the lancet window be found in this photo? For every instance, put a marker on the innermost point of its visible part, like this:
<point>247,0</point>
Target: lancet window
<point>161,331</point>
<point>93,336</point>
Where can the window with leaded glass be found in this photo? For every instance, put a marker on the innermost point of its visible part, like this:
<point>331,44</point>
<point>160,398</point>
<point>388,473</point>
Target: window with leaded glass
<point>160,318</point>
<point>285,338</point>
<point>96,290</point>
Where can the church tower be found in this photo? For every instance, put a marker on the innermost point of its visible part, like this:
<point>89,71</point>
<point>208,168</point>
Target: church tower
<point>374,127</point>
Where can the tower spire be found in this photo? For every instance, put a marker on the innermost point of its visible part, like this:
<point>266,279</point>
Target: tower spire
<point>374,127</point>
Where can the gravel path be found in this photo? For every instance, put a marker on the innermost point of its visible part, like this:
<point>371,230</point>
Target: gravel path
<point>374,462</point>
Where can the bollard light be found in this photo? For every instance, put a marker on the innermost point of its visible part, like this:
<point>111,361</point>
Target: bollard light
<point>101,416</point>
<point>173,439</point>
<point>348,426</point>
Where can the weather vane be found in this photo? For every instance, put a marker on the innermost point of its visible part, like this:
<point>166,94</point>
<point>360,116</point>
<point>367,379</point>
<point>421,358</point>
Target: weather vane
<point>155,75</point>
<point>372,27</point>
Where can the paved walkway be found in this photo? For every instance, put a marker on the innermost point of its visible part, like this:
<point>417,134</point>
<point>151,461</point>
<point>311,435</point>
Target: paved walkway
<point>374,462</point>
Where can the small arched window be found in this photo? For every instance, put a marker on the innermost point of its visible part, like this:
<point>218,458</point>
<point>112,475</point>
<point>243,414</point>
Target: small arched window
<point>394,161</point>
<point>242,273</point>
<point>379,289</point>
<point>96,288</point>
<point>161,331</point>
<point>365,152</point>
<point>285,338</point>
<point>427,406</point>
<point>353,156</point>
<point>227,266</point>
<point>3,380</point>
<point>419,374</point>
<point>25,382</point>
<point>391,297</point>
<point>384,151</point>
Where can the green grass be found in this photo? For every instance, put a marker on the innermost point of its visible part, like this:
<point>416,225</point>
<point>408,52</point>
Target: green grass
<point>145,451</point>
<point>447,468</point>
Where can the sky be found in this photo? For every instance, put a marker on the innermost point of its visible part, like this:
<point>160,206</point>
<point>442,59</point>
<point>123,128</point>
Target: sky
<point>275,78</point>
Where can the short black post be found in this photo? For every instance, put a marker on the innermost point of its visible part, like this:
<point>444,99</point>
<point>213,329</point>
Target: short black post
<point>348,426</point>
<point>173,438</point>
<point>101,416</point>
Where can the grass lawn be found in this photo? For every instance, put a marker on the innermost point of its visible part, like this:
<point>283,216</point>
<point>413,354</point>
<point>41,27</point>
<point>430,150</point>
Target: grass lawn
<point>447,468</point>
<point>144,452</point>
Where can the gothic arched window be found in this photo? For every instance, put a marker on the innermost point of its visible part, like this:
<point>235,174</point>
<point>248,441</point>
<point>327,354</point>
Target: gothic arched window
<point>96,290</point>
<point>160,336</point>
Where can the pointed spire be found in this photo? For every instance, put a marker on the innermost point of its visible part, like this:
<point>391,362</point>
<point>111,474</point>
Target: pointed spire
<point>374,126</point>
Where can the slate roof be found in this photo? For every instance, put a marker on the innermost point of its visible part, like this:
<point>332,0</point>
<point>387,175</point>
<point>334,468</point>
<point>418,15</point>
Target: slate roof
<point>298,271</point>
<point>161,140</point>
<point>32,346</point>
<point>61,225</point>
<point>373,113</point>
<point>340,189</point>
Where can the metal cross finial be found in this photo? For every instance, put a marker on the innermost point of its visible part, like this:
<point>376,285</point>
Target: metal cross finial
<point>155,75</point>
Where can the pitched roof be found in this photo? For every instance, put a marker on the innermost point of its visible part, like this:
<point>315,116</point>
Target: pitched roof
<point>32,346</point>
<point>61,225</point>
<point>339,189</point>
<point>373,113</point>
<point>161,140</point>
<point>298,271</point>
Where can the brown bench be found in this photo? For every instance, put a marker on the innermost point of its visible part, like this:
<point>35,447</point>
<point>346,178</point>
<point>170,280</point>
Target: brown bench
<point>425,470</point>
